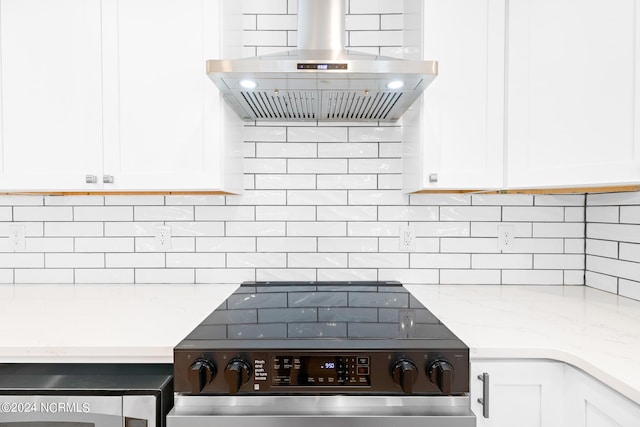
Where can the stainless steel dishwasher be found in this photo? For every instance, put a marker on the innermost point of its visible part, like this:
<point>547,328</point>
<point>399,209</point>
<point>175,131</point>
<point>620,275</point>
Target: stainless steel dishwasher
<point>313,354</point>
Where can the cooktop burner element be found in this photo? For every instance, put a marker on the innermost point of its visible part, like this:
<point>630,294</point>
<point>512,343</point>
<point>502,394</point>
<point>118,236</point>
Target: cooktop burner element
<point>321,338</point>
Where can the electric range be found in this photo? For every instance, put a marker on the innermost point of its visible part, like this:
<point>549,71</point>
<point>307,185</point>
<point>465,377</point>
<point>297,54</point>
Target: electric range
<point>321,338</point>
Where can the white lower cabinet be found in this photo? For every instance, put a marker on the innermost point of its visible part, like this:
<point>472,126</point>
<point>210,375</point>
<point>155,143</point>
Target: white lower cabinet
<point>521,393</point>
<point>546,393</point>
<point>588,403</point>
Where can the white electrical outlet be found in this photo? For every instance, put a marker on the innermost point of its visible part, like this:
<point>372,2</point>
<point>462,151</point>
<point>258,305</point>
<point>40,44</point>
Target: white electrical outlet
<point>163,237</point>
<point>506,238</point>
<point>407,238</point>
<point>17,238</point>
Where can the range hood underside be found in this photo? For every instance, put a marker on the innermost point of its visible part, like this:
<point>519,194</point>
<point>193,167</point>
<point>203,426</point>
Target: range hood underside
<point>286,93</point>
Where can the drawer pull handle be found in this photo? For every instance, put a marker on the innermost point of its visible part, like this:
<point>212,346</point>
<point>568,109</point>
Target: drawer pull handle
<point>484,400</point>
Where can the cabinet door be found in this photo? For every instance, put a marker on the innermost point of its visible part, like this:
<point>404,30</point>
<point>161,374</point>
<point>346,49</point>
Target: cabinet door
<point>588,402</point>
<point>573,92</point>
<point>166,127</point>
<point>521,393</point>
<point>454,137</point>
<point>50,114</point>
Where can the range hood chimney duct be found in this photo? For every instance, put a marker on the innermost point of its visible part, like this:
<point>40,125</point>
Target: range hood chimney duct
<point>321,25</point>
<point>321,80</point>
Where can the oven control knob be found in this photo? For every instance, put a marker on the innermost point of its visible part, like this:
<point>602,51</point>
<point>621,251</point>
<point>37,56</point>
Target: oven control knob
<point>201,373</point>
<point>237,373</point>
<point>404,374</point>
<point>441,374</point>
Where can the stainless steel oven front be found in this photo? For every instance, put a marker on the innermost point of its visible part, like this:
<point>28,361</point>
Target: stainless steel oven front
<point>311,354</point>
<point>85,395</point>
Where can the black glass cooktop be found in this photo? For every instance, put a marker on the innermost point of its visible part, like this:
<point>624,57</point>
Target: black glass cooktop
<point>273,314</point>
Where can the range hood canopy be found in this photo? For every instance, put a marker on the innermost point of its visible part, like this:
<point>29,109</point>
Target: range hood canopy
<point>321,80</point>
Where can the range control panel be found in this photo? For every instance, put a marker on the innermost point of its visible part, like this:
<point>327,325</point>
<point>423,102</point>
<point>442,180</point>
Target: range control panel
<point>321,371</point>
<point>281,372</point>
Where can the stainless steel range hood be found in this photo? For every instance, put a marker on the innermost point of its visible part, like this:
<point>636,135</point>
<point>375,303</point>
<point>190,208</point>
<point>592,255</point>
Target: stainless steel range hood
<point>321,80</point>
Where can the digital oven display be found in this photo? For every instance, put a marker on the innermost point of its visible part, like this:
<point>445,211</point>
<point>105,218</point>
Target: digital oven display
<point>319,370</point>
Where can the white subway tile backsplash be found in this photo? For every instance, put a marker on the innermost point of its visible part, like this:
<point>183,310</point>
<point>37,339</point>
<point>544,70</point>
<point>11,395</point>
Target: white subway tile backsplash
<point>256,260</point>
<point>408,213</point>
<point>164,275</point>
<point>48,244</point>
<point>410,276</point>
<point>73,200</point>
<point>317,197</point>
<point>75,260</point>
<point>225,275</point>
<point>104,244</point>
<point>377,197</point>
<point>21,260</point>
<point>560,200</point>
<point>470,213</point>
<point>134,260</point>
<point>337,274</point>
<point>369,260</point>
<point>604,248</point>
<point>285,213</point>
<point>73,229</point>
<point>287,244</point>
<point>562,229</point>
<point>317,260</point>
<point>362,22</point>
<point>6,277</point>
<point>630,252</point>
<point>347,244</point>
<point>289,150</point>
<point>225,213</point>
<point>317,166</point>
<point>610,214</point>
<point>469,245</point>
<point>502,200</point>
<point>6,214</point>
<point>265,165</point>
<point>374,6</point>
<point>102,213</point>
<point>375,166</point>
<point>321,201</point>
<point>9,200</point>
<point>536,213</point>
<point>164,213</point>
<point>532,277</point>
<point>195,260</point>
<point>629,289</point>
<point>348,150</point>
<point>285,182</point>
<point>559,262</point>
<point>40,213</point>
<point>347,213</point>
<point>317,134</point>
<point>44,275</point>
<point>630,214</point>
<point>613,267</point>
<point>226,244</point>
<point>347,182</point>
<point>501,261</point>
<point>470,277</point>
<point>439,261</point>
<point>601,281</point>
<point>255,228</point>
<point>317,229</point>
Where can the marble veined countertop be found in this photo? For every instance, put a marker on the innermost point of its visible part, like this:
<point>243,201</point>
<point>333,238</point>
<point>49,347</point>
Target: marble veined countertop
<point>592,330</point>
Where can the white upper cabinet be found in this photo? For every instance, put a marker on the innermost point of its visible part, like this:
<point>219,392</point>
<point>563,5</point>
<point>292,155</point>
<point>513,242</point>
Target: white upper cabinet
<point>166,125</point>
<point>573,85</point>
<point>454,136</point>
<point>50,83</point>
<point>116,91</point>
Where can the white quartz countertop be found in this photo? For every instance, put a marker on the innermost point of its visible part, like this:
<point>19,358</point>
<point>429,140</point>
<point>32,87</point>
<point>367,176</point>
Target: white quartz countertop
<point>592,330</point>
